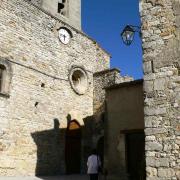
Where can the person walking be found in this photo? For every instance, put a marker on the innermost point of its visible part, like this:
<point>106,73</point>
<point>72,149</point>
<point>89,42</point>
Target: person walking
<point>93,164</point>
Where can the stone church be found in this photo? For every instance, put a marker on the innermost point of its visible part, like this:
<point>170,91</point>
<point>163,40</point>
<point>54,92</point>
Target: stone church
<point>52,77</point>
<point>59,98</point>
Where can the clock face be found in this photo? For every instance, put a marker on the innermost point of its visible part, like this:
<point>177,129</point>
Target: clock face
<point>64,36</point>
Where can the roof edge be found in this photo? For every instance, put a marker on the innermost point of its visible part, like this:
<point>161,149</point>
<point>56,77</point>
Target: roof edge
<point>106,71</point>
<point>125,84</point>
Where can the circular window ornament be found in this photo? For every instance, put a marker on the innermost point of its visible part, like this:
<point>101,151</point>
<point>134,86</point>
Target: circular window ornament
<point>78,80</point>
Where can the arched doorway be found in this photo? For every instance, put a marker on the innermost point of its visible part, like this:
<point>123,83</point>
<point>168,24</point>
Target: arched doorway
<point>73,148</point>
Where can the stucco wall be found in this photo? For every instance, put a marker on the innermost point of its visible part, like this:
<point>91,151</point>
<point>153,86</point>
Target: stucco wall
<point>161,55</point>
<point>124,112</point>
<point>40,90</point>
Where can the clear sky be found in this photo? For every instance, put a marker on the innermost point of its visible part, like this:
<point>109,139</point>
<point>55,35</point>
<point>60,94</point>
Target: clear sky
<point>104,20</point>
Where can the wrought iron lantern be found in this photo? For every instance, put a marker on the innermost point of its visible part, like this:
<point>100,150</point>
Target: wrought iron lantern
<point>128,34</point>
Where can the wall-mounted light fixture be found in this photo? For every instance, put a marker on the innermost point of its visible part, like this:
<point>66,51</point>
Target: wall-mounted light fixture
<point>128,34</point>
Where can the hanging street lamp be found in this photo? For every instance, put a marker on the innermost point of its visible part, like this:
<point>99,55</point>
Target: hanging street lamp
<point>128,34</point>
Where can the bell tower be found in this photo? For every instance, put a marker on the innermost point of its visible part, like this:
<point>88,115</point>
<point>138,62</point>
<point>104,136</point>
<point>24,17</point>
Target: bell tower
<point>67,10</point>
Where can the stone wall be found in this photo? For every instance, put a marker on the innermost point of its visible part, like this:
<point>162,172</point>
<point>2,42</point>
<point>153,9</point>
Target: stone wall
<point>161,46</point>
<point>40,93</point>
<point>102,80</point>
<point>37,2</point>
<point>73,10</point>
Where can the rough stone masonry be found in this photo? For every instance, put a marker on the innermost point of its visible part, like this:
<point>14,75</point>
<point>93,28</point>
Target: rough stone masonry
<point>39,91</point>
<point>161,54</point>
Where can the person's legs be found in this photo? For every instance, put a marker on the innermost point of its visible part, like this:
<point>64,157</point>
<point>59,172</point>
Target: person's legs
<point>93,176</point>
<point>96,177</point>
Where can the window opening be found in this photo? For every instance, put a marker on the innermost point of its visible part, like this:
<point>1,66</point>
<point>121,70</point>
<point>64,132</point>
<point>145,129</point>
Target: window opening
<point>62,7</point>
<point>42,85</point>
<point>78,80</point>
<point>2,72</point>
<point>36,104</point>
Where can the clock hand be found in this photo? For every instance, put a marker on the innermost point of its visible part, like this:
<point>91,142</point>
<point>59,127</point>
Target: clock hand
<point>64,37</point>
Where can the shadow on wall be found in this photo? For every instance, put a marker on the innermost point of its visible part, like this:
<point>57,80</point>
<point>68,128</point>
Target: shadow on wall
<point>64,151</point>
<point>50,150</point>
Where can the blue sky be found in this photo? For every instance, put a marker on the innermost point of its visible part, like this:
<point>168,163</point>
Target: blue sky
<point>104,21</point>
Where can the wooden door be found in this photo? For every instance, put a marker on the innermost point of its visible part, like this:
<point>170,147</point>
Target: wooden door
<point>73,148</point>
<point>135,144</point>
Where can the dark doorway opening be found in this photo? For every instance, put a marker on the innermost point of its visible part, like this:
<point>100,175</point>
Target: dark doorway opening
<point>100,149</point>
<point>135,149</point>
<point>73,148</point>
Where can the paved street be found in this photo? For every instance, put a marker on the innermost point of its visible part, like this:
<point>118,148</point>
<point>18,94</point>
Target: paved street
<point>71,177</point>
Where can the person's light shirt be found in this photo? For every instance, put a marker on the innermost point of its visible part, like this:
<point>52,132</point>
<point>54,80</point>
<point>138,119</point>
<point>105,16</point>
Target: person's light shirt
<point>93,163</point>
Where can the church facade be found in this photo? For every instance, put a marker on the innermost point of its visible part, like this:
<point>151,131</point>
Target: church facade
<point>48,100</point>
